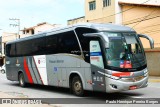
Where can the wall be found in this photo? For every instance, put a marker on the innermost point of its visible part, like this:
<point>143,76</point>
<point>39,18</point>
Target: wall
<point>43,27</point>
<point>76,20</point>
<point>100,14</point>
<point>153,61</point>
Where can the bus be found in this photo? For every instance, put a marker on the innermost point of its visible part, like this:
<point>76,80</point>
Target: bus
<point>96,57</point>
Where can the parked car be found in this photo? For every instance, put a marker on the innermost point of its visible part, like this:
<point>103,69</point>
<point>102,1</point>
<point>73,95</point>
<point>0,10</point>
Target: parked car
<point>3,69</point>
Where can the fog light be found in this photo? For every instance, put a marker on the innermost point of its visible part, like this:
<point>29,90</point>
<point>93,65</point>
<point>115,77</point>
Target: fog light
<point>113,86</point>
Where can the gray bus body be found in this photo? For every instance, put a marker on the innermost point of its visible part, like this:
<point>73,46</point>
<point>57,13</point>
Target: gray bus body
<point>84,51</point>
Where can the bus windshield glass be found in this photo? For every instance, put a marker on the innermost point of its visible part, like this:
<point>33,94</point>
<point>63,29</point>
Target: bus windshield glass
<point>125,51</point>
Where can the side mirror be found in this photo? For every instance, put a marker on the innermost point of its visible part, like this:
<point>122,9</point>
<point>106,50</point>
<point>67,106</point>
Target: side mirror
<point>151,41</point>
<point>103,37</point>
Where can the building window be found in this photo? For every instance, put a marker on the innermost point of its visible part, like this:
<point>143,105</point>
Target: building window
<point>32,31</point>
<point>27,31</point>
<point>106,3</point>
<point>92,5</point>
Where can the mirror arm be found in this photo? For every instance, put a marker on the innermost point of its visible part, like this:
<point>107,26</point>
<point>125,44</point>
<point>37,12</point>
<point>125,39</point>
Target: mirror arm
<point>149,38</point>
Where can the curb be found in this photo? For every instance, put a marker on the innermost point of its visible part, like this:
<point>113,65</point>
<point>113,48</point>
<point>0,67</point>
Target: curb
<point>154,80</point>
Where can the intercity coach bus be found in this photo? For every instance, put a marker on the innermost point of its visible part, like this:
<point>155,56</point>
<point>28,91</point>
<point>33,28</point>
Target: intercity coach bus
<point>97,57</point>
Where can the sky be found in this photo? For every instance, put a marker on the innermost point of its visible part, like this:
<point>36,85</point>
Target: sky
<point>32,12</point>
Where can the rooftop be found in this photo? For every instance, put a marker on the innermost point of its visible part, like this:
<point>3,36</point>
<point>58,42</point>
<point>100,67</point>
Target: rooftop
<point>151,3</point>
<point>39,24</point>
<point>76,18</point>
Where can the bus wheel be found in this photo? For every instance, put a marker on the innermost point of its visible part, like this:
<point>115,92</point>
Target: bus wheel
<point>77,86</point>
<point>22,82</point>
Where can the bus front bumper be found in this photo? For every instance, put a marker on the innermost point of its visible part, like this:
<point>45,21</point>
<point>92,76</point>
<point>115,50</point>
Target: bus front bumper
<point>124,84</point>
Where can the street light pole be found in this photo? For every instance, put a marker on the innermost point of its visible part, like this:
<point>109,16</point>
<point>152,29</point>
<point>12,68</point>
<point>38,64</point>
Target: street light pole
<point>17,24</point>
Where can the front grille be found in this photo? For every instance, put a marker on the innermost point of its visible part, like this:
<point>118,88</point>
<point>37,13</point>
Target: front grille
<point>133,79</point>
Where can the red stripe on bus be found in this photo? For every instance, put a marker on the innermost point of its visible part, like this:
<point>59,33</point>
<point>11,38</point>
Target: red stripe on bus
<point>27,71</point>
<point>38,70</point>
<point>121,74</point>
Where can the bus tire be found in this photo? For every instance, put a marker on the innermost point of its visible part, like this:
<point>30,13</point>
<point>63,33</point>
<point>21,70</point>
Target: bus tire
<point>77,86</point>
<point>22,82</point>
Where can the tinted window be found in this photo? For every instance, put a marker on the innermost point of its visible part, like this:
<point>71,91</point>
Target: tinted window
<point>24,48</point>
<point>67,43</point>
<point>38,46</point>
<point>51,44</point>
<point>62,43</point>
<point>10,50</point>
<point>30,47</point>
<point>84,41</point>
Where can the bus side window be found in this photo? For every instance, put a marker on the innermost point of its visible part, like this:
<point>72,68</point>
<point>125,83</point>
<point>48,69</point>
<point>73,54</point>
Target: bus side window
<point>68,43</point>
<point>51,44</point>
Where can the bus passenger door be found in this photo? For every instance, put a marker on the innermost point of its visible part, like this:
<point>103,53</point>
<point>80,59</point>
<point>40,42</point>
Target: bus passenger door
<point>97,66</point>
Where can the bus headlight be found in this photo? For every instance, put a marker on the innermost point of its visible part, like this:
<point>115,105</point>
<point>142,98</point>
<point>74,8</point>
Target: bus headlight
<point>114,77</point>
<point>145,72</point>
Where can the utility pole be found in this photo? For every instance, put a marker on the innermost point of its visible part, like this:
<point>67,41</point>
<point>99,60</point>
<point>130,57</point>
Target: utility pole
<point>17,23</point>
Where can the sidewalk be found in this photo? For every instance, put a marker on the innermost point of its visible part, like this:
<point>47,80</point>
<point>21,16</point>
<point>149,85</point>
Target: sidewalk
<point>154,79</point>
<point>4,95</point>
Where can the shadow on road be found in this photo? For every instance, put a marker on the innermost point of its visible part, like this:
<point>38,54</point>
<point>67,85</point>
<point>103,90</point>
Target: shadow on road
<point>88,94</point>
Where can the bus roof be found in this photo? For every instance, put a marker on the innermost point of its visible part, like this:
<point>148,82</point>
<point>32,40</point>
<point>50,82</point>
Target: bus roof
<point>96,26</point>
<point>105,27</point>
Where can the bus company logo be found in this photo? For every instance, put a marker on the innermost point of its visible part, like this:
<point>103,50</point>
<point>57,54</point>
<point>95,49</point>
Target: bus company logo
<point>41,60</point>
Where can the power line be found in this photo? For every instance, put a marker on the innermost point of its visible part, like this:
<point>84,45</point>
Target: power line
<point>148,26</point>
<point>155,32</point>
<point>134,20</point>
<point>150,31</point>
<point>144,18</point>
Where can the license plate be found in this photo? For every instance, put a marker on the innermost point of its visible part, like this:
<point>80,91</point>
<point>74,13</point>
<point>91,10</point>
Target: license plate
<point>133,87</point>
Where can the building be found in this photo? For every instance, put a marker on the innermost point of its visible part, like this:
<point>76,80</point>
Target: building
<point>0,46</point>
<point>6,37</point>
<point>76,20</point>
<point>36,29</point>
<point>96,10</point>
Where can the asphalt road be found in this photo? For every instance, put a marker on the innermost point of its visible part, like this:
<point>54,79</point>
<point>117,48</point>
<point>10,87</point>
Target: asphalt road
<point>37,91</point>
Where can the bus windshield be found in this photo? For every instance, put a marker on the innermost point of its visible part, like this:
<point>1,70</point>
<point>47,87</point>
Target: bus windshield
<point>125,51</point>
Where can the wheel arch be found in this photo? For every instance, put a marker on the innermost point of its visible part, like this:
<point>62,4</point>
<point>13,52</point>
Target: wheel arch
<point>73,74</point>
<point>19,72</point>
